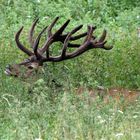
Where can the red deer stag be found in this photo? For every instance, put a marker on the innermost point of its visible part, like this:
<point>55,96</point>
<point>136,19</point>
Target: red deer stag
<point>40,55</point>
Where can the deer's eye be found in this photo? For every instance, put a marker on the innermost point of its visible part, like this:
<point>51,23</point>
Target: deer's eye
<point>27,60</point>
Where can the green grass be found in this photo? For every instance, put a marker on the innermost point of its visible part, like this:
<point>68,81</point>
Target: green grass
<point>34,109</point>
<point>66,116</point>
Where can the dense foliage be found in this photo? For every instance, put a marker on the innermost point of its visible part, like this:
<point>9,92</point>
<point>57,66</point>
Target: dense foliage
<point>38,108</point>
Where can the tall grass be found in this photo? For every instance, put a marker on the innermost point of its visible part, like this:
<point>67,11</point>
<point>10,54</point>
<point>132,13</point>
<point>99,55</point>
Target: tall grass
<point>41,109</point>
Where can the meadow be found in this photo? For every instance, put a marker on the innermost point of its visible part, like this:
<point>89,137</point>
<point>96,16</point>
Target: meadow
<point>40,109</point>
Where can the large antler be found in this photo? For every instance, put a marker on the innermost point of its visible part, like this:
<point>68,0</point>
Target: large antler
<point>40,55</point>
<point>89,43</point>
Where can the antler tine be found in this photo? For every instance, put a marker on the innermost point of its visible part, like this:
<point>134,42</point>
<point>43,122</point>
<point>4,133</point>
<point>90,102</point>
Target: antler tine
<point>102,45</point>
<point>107,48</point>
<point>103,36</point>
<point>36,43</point>
<point>61,29</point>
<point>51,26</point>
<point>19,45</point>
<point>72,38</point>
<point>31,32</point>
<point>67,40</point>
<point>101,42</point>
<point>49,40</point>
<point>90,30</point>
<point>78,36</point>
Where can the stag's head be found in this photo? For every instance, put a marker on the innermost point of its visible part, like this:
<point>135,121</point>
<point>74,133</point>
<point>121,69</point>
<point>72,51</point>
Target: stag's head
<point>38,56</point>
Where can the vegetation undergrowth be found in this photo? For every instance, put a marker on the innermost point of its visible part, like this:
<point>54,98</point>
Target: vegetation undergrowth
<point>48,107</point>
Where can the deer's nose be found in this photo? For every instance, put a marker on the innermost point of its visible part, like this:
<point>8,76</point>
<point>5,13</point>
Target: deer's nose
<point>8,70</point>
